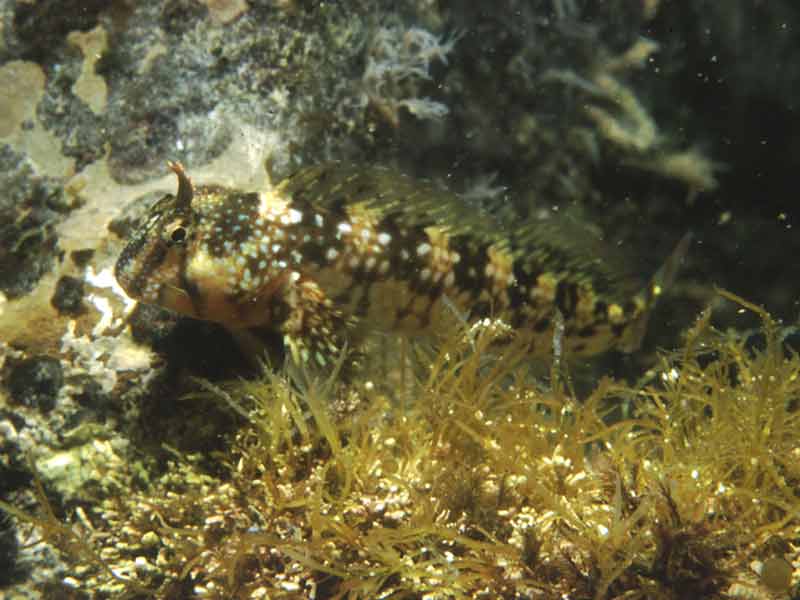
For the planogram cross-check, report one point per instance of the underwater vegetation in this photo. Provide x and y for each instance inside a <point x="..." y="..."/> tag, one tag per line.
<point x="473" y="479"/>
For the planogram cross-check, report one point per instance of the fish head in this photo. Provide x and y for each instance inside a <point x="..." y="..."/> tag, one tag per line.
<point x="151" y="266"/>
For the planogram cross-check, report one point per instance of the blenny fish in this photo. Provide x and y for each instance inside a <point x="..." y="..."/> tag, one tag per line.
<point x="337" y="249"/>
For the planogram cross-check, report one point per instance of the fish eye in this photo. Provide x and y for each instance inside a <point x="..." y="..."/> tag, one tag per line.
<point x="178" y="235"/>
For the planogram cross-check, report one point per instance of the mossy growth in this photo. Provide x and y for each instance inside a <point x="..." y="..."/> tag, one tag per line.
<point x="473" y="480"/>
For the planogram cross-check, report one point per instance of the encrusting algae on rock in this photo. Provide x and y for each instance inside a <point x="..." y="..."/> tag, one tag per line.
<point x="336" y="250"/>
<point x="484" y="487"/>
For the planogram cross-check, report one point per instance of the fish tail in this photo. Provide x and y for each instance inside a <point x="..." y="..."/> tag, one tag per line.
<point x="648" y="296"/>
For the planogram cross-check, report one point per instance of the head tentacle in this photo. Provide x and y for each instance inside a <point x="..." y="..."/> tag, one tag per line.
<point x="185" y="188"/>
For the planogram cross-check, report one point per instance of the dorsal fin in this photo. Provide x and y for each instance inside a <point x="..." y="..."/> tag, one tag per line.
<point x="568" y="246"/>
<point x="411" y="202"/>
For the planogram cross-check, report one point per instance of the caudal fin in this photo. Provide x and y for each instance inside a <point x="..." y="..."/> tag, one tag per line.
<point x="658" y="284"/>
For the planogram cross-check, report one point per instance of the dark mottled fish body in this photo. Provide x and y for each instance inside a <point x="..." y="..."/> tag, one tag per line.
<point x="336" y="249"/>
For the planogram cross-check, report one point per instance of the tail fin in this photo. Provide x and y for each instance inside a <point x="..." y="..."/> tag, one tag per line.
<point x="660" y="282"/>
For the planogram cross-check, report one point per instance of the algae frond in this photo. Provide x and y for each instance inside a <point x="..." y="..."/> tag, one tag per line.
<point x="476" y="481"/>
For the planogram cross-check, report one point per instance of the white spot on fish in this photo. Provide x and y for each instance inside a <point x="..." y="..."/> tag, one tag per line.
<point x="295" y="216"/>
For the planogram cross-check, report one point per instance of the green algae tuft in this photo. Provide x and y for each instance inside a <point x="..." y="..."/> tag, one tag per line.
<point x="463" y="476"/>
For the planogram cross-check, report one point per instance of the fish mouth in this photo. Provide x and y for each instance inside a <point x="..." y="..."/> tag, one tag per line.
<point x="138" y="265"/>
<point x="125" y="273"/>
